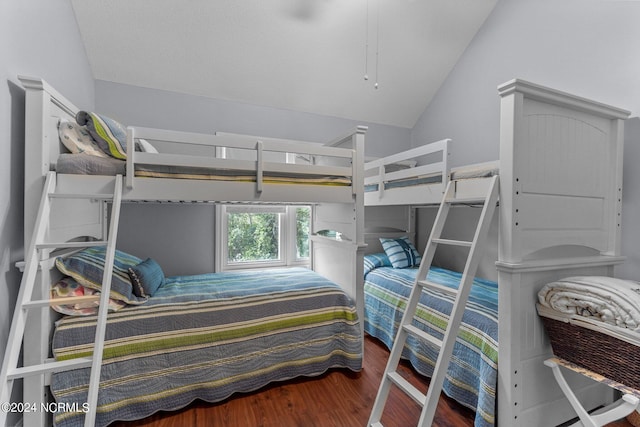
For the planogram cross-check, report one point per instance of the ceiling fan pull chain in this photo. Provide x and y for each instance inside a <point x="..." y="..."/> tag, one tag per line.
<point x="377" y="40"/>
<point x="366" y="44"/>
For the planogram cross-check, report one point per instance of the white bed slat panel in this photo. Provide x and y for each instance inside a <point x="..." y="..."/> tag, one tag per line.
<point x="280" y="145"/>
<point x="336" y="217"/>
<point x="418" y="195"/>
<point x="434" y="147"/>
<point x="244" y="165"/>
<point x="80" y="218"/>
<point x="564" y="144"/>
<point x="418" y="171"/>
<point x="399" y="217"/>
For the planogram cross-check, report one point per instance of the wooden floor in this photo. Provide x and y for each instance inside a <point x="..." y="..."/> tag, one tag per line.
<point x="335" y="399"/>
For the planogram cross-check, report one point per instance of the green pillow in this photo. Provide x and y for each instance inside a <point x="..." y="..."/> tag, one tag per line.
<point x="110" y="135"/>
<point x="87" y="267"/>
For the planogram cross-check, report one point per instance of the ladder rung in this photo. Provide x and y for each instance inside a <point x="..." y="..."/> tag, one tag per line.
<point x="65" y="365"/>
<point x="69" y="300"/>
<point x="467" y="200"/>
<point x="438" y="287"/>
<point x="423" y="335"/>
<point x="452" y="242"/>
<point x="90" y="196"/>
<point x="446" y="345"/>
<point x="62" y="245"/>
<point x="409" y="389"/>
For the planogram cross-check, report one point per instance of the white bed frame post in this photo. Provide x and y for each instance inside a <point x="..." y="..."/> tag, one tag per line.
<point x="361" y="246"/>
<point x="342" y="261"/>
<point x="560" y="205"/>
<point x="38" y="102"/>
<point x="42" y="148"/>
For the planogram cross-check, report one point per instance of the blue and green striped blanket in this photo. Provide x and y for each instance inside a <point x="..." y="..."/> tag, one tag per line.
<point x="207" y="337"/>
<point x="472" y="375"/>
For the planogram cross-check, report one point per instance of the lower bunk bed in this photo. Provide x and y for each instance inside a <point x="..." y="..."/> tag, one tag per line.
<point x="472" y="376"/>
<point x="195" y="337"/>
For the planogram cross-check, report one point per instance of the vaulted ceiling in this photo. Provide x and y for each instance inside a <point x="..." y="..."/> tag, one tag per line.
<point x="302" y="55"/>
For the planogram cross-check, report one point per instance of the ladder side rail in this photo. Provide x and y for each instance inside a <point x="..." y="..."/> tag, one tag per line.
<point x="410" y="309"/>
<point x="436" y="233"/>
<point x="457" y="311"/>
<point x="27" y="284"/>
<point x="96" y="366"/>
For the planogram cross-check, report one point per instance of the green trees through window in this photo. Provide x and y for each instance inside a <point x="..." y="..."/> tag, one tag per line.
<point x="253" y="237"/>
<point x="260" y="236"/>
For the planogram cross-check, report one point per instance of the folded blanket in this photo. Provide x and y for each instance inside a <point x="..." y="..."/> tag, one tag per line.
<point x="613" y="301"/>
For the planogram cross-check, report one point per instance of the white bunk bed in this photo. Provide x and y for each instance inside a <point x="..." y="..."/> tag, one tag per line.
<point x="338" y="208"/>
<point x="560" y="173"/>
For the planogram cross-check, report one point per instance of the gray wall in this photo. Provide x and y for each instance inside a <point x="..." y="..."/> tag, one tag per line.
<point x="181" y="238"/>
<point x="134" y="105"/>
<point x="585" y="47"/>
<point x="37" y="38"/>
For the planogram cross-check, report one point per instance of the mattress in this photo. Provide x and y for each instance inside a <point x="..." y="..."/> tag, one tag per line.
<point x="85" y="164"/>
<point x="472" y="375"/>
<point x="208" y="337"/>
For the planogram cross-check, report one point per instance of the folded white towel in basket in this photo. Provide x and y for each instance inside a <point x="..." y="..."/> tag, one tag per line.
<point x="610" y="300"/>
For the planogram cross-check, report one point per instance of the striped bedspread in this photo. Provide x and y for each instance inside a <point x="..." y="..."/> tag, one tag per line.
<point x="207" y="337"/>
<point x="472" y="376"/>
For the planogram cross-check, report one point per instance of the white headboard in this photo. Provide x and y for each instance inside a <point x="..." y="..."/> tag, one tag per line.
<point x="561" y="172"/>
<point x="44" y="108"/>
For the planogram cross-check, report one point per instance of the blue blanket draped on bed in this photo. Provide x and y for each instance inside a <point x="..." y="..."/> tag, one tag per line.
<point x="207" y="337"/>
<point x="472" y="375"/>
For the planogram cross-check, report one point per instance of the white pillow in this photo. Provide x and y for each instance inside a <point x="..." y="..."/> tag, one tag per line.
<point x="77" y="139"/>
<point x="146" y="147"/>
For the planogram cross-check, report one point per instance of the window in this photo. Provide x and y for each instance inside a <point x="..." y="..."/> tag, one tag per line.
<point x="262" y="236"/>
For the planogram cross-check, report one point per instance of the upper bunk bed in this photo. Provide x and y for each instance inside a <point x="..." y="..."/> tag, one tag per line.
<point x="419" y="176"/>
<point x="195" y="167"/>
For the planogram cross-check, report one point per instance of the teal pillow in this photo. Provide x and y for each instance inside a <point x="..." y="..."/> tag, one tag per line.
<point x="110" y="135"/>
<point x="373" y="261"/>
<point x="146" y="278"/>
<point x="87" y="267"/>
<point x="401" y="252"/>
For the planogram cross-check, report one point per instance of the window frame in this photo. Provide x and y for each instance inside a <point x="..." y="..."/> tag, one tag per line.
<point x="287" y="237"/>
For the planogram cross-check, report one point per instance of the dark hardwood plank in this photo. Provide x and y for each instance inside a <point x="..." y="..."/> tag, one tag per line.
<point x="336" y="399"/>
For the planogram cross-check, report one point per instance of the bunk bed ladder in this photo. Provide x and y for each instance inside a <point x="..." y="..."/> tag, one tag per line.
<point x="38" y="251"/>
<point x="429" y="402"/>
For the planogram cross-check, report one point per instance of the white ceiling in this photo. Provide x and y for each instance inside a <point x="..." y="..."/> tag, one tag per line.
<point x="302" y="55"/>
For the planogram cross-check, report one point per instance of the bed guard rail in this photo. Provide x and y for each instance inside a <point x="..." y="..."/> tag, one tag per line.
<point x="438" y="166"/>
<point x="341" y="161"/>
